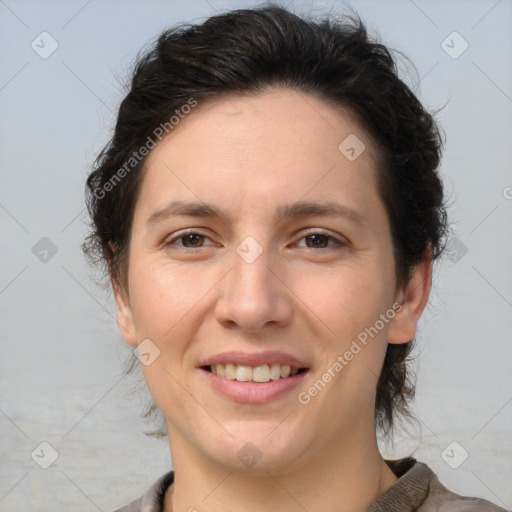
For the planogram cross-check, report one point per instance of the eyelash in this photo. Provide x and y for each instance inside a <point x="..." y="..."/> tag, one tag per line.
<point x="338" y="243"/>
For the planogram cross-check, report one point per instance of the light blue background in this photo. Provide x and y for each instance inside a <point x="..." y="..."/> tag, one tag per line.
<point x="61" y="357"/>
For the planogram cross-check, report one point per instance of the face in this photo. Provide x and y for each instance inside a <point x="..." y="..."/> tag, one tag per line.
<point x="260" y="249"/>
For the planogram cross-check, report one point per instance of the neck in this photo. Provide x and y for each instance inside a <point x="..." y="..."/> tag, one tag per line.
<point x="352" y="474"/>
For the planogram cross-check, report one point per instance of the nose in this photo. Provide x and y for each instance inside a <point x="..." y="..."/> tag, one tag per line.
<point x="254" y="295"/>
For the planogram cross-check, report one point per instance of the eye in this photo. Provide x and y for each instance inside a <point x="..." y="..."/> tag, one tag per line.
<point x="187" y="240"/>
<point x="319" y="239"/>
<point x="315" y="239"/>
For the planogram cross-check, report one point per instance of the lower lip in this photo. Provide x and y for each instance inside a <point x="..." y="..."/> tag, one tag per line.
<point x="253" y="392"/>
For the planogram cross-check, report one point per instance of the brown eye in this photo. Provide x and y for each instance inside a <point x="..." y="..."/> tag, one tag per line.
<point x="192" y="240"/>
<point x="319" y="240"/>
<point x="187" y="240"/>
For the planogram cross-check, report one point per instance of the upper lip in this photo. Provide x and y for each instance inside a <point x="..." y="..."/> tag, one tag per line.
<point x="254" y="359"/>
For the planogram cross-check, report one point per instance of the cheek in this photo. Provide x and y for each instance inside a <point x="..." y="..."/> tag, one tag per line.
<point x="343" y="300"/>
<point x="164" y="296"/>
<point x="347" y="298"/>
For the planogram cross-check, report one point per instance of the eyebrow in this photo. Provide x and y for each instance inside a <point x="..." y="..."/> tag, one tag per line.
<point x="293" y="210"/>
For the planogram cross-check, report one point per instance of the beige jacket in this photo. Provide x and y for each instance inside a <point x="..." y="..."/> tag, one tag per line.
<point x="417" y="489"/>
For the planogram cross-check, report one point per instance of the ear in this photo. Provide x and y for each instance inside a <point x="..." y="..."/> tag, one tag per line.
<point x="413" y="299"/>
<point x="124" y="314"/>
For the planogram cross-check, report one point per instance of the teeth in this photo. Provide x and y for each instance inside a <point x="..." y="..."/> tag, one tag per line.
<point x="229" y="370"/>
<point x="243" y="373"/>
<point x="262" y="373"/>
<point x="275" y="371"/>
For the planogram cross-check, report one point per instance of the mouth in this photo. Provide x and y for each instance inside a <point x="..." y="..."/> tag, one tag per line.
<point x="261" y="374"/>
<point x="249" y="378"/>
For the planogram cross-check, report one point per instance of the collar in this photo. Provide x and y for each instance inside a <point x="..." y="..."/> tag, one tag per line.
<point x="407" y="493"/>
<point x="410" y="490"/>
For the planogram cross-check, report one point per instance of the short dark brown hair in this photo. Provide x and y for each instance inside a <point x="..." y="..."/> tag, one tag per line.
<point x="247" y="50"/>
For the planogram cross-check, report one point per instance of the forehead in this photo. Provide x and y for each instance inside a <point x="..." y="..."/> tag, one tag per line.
<point x="279" y="145"/>
<point x="278" y="116"/>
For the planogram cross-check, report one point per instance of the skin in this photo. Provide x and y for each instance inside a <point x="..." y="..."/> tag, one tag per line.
<point x="249" y="155"/>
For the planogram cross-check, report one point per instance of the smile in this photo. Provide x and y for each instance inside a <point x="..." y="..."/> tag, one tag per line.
<point x="253" y="378"/>
<point x="261" y="373"/>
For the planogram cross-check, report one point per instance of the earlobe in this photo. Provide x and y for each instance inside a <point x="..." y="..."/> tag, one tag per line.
<point x="124" y="314"/>
<point x="125" y="321"/>
<point x="413" y="299"/>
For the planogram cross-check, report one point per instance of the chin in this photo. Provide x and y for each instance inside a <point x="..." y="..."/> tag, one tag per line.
<point x="257" y="448"/>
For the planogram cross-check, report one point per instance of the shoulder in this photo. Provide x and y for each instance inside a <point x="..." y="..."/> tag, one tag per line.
<point x="419" y="489"/>
<point x="441" y="499"/>
<point x="152" y="500"/>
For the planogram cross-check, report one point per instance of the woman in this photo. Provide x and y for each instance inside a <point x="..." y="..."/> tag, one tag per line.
<point x="269" y="210"/>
